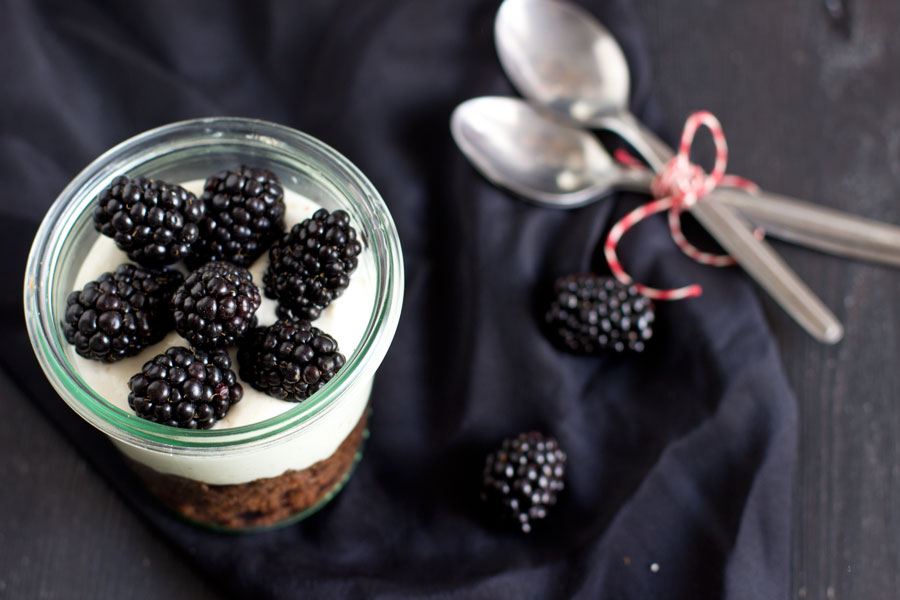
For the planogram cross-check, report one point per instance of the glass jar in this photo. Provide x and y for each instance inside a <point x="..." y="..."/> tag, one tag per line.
<point x="263" y="474"/>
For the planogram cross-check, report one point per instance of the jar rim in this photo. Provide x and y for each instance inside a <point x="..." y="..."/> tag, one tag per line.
<point x="43" y="328"/>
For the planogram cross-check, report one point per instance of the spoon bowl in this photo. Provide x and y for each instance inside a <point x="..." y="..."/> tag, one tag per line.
<point x="547" y="47"/>
<point x="560" y="56"/>
<point x="544" y="161"/>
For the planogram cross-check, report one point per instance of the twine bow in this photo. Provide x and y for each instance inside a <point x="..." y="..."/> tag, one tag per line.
<point x="679" y="186"/>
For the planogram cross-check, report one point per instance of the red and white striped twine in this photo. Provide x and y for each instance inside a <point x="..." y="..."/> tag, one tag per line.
<point x="676" y="188"/>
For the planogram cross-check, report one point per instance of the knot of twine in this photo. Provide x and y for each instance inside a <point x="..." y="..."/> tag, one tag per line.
<point x="679" y="185"/>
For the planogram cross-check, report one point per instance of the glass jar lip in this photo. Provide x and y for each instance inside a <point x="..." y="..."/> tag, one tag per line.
<point x="379" y="229"/>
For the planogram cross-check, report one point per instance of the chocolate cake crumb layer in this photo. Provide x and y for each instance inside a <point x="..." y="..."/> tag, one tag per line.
<point x="261" y="502"/>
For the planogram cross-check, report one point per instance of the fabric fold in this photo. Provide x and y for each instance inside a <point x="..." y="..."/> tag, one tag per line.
<point x="680" y="457"/>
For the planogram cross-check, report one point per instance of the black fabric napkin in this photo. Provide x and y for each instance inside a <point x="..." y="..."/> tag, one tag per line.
<point x="680" y="459"/>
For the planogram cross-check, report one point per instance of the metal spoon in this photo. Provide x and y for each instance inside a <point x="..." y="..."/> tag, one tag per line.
<point x="552" y="164"/>
<point x="544" y="161"/>
<point x="563" y="57"/>
<point x="559" y="55"/>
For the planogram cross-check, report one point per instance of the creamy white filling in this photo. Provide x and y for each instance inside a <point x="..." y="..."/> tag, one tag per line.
<point x="345" y="319"/>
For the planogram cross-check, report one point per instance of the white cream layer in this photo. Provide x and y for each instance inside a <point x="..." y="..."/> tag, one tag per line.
<point x="345" y="319"/>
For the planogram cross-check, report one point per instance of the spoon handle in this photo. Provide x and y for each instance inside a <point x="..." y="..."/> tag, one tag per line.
<point x="785" y="218"/>
<point x="759" y="260"/>
<point x="798" y="222"/>
<point x="735" y="235"/>
<point x="648" y="145"/>
<point x="816" y="226"/>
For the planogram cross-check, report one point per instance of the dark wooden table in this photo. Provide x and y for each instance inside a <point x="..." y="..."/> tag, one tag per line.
<point x="808" y="112"/>
<point x="814" y="114"/>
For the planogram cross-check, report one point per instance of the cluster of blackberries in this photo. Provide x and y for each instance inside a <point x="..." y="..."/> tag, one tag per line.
<point x="120" y="313"/>
<point x="239" y="216"/>
<point x="244" y="215"/>
<point x="123" y="312"/>
<point x="155" y="223"/>
<point x="290" y="360"/>
<point x="590" y="313"/>
<point x="311" y="265"/>
<point x="216" y="305"/>
<point x="240" y="213"/>
<point x="185" y="387"/>
<point x="522" y="478"/>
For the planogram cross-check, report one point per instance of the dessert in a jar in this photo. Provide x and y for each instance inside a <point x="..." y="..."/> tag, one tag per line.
<point x="215" y="296"/>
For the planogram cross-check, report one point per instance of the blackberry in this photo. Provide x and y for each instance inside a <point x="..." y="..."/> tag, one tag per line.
<point x="120" y="313"/>
<point x="590" y="313"/>
<point x="244" y="215"/>
<point x="216" y="305"/>
<point x="289" y="360"/>
<point x="311" y="264"/>
<point x="522" y="478"/>
<point x="185" y="388"/>
<point x="154" y="222"/>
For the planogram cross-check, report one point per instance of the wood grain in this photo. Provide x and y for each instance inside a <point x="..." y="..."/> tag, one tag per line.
<point x="63" y="531"/>
<point x="813" y="114"/>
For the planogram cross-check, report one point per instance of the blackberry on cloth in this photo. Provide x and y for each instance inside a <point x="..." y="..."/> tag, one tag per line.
<point x="154" y="222"/>
<point x="311" y="264"/>
<point x="185" y="388"/>
<point x="289" y="360"/>
<point x="121" y="312"/>
<point x="521" y="480"/>
<point x="244" y="215"/>
<point x="590" y="313"/>
<point x="216" y="305"/>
